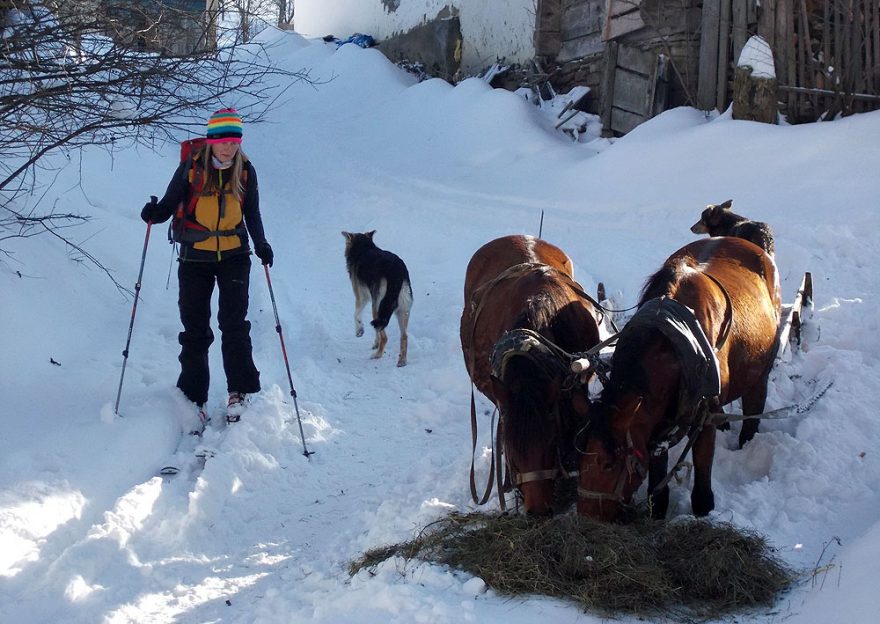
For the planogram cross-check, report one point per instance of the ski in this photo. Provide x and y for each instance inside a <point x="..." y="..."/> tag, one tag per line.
<point x="185" y="458"/>
<point x="195" y="449"/>
<point x="188" y="448"/>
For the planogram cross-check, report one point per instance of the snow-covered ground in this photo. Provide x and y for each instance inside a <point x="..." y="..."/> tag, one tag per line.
<point x="89" y="534"/>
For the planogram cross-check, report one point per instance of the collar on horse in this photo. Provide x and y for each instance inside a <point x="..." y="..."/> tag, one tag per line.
<point x="700" y="374"/>
<point x="523" y="342"/>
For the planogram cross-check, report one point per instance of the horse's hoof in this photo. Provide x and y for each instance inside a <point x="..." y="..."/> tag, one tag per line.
<point x="375" y="356"/>
<point x="359" y="332"/>
<point x="702" y="505"/>
<point x="401" y="363"/>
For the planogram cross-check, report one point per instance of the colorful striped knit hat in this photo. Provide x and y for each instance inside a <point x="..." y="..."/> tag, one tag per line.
<point x="225" y="126"/>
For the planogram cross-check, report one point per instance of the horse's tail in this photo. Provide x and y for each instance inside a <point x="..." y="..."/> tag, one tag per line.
<point x="391" y="299"/>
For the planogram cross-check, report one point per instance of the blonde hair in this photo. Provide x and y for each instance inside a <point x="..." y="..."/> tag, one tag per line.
<point x="212" y="177"/>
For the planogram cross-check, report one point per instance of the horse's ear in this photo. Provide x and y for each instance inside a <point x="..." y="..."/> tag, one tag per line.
<point x="347" y="235"/>
<point x="726" y="205"/>
<point x="370" y="234"/>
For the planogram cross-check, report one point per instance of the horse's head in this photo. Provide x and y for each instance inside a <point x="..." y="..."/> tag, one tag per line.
<point x="539" y="414"/>
<point x="614" y="459"/>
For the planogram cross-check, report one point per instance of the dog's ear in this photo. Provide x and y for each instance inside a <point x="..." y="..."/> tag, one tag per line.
<point x="370" y="234"/>
<point x="713" y="214"/>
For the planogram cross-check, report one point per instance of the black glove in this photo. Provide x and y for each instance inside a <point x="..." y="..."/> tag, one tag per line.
<point x="148" y="214"/>
<point x="264" y="253"/>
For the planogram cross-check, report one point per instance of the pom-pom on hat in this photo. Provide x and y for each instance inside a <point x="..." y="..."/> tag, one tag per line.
<point x="225" y="126"/>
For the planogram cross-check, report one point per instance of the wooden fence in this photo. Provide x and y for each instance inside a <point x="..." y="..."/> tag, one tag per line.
<point x="826" y="53"/>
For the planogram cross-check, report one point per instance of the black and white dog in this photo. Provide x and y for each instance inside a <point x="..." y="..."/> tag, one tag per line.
<point x="718" y="220"/>
<point x="381" y="277"/>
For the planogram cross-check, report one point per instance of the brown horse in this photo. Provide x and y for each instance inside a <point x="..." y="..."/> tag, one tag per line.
<point x="521" y="307"/>
<point x="704" y="335"/>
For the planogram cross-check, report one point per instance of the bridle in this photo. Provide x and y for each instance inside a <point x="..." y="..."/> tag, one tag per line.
<point x="634" y="462"/>
<point x="523" y="342"/>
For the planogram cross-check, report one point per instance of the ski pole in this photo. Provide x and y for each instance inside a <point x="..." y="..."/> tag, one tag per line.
<point x="137" y="292"/>
<point x="170" y="264"/>
<point x="306" y="451"/>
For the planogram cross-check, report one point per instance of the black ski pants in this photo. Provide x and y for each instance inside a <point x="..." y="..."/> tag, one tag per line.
<point x="196" y="285"/>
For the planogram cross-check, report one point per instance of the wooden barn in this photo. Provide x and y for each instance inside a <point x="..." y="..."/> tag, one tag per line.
<point x="640" y="57"/>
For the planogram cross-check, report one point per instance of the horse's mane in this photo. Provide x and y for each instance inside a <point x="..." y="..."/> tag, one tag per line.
<point x="554" y="313"/>
<point x="525" y="418"/>
<point x="628" y="376"/>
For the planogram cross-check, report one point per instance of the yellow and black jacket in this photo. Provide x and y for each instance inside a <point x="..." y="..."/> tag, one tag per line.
<point x="219" y="222"/>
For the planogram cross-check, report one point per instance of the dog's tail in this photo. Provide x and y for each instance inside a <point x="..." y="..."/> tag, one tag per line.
<point x="390" y="301"/>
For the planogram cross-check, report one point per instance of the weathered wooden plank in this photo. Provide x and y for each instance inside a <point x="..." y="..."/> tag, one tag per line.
<point x="636" y="60"/>
<point x="630" y="92"/>
<point x="857" y="44"/>
<point x="708" y="55"/>
<point x="827" y="31"/>
<point x="792" y="320"/>
<point x="548" y="27"/>
<point x="723" y="54"/>
<point x="864" y="97"/>
<point x="581" y="47"/>
<point x="751" y="10"/>
<point x="607" y="94"/>
<point x="581" y="19"/>
<point x="783" y="37"/>
<point x="740" y="28"/>
<point x="622" y="17"/>
<point x="623" y="121"/>
<point x="804" y="78"/>
<point x="791" y="57"/>
<point x="661" y="85"/>
<point x="876" y="35"/>
<point x="767" y="23"/>
<point x="868" y="42"/>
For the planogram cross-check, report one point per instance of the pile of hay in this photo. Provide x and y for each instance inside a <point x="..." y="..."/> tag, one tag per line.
<point x="692" y="569"/>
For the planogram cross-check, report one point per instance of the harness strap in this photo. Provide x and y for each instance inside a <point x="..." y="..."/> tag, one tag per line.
<point x="495" y="466"/>
<point x="728" y="316"/>
<point x="545" y="475"/>
<point x="478" y="500"/>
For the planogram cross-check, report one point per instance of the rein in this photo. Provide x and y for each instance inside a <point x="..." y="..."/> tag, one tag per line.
<point x="495" y="467"/>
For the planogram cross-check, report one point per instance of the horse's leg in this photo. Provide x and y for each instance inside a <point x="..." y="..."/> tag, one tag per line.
<point x="703" y="453"/>
<point x="658" y="502"/>
<point x="752" y="403"/>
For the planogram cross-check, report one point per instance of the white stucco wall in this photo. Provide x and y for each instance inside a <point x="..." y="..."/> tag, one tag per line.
<point x="491" y="29"/>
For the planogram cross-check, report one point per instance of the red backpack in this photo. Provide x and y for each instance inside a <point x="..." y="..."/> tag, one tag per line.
<point x="183" y="227"/>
